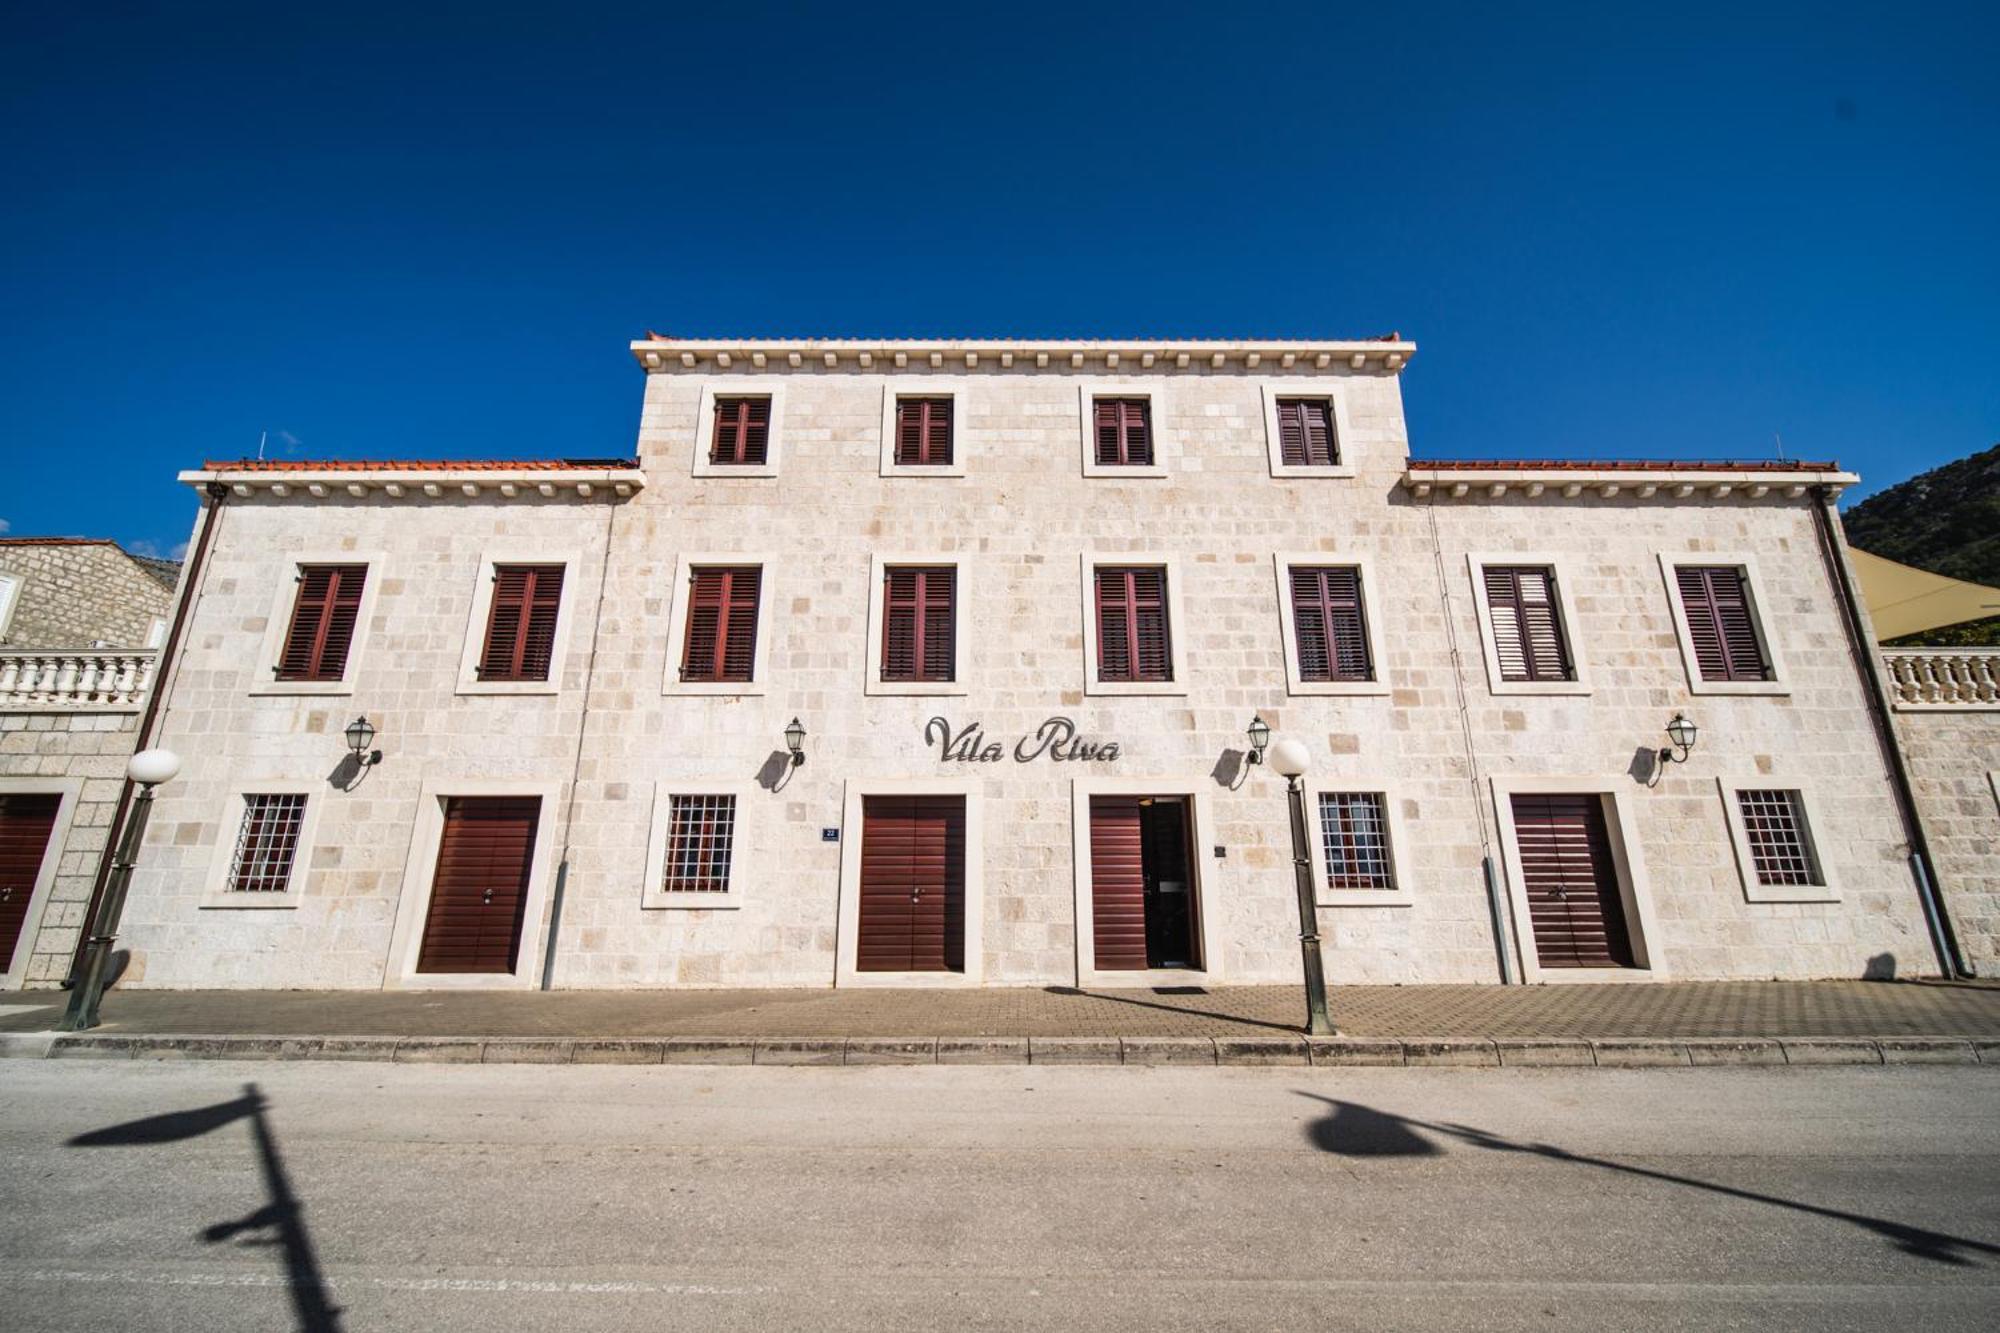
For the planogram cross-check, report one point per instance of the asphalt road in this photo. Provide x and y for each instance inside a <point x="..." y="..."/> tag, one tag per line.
<point x="218" y="1196"/>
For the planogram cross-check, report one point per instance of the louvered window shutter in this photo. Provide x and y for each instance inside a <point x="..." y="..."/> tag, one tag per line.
<point x="918" y="633"/>
<point x="323" y="621"/>
<point x="742" y="432"/>
<point x="521" y="626"/>
<point x="1329" y="625"/>
<point x="721" y="624"/>
<point x="1124" y="432"/>
<point x="1720" y="623"/>
<point x="1528" y="635"/>
<point x="1305" y="433"/>
<point x="1134" y="640"/>
<point x="923" y="432"/>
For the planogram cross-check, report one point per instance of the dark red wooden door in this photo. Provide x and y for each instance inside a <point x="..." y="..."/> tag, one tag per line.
<point x="26" y="821"/>
<point x="912" y="895"/>
<point x="1574" y="909"/>
<point x="479" y="894"/>
<point x="1117" y="884"/>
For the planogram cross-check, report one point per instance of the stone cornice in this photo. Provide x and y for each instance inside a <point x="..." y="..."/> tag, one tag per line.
<point x="396" y="481"/>
<point x="1118" y="356"/>
<point x="1611" y="480"/>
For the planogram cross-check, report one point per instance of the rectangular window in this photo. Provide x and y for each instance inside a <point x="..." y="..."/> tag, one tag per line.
<point x="521" y="625"/>
<point x="324" y="613"/>
<point x="1329" y="624"/>
<point x="1133" y="637"/>
<point x="267" y="843"/>
<point x="721" y="624"/>
<point x="1722" y="627"/>
<point x="923" y="432"/>
<point x="1354" y="837"/>
<point x="1124" y="429"/>
<point x="919" y="636"/>
<point x="701" y="836"/>
<point x="742" y="432"/>
<point x="1528" y="633"/>
<point x="1774" y="824"/>
<point x="1305" y="433"/>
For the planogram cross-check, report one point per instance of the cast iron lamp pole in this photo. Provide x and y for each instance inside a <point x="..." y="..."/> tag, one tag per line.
<point x="148" y="768"/>
<point x="1289" y="759"/>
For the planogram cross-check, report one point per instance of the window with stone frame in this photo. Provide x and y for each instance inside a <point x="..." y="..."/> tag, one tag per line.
<point x="1354" y="840"/>
<point x="267" y="842"/>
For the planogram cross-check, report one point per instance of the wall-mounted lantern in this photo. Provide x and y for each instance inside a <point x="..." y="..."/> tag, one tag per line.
<point x="1260" y="736"/>
<point x="360" y="735"/>
<point x="795" y="741"/>
<point x="1682" y="733"/>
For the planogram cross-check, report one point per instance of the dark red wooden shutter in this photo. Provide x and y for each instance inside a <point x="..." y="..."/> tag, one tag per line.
<point x="1305" y="433"/>
<point x="479" y="891"/>
<point x="1133" y="637"/>
<point x="1117" y="884"/>
<point x="521" y="626"/>
<point x="923" y="432"/>
<point x="1329" y="624"/>
<point x="911" y="901"/>
<point x="1124" y="432"/>
<point x="27" y="820"/>
<point x="1720" y="623"/>
<point x="721" y="639"/>
<point x="324" y="612"/>
<point x="742" y="435"/>
<point x="1575" y="912"/>
<point x="1528" y="635"/>
<point x="918" y="633"/>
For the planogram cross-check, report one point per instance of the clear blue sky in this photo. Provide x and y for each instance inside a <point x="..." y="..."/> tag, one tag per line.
<point x="430" y="230"/>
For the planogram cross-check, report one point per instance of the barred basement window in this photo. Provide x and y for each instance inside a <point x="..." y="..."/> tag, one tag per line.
<point x="1124" y="432"/>
<point x="923" y="432"/>
<point x="1721" y="624"/>
<point x="267" y="843"/>
<point x="1774" y="824"/>
<point x="323" y="617"/>
<point x="721" y="624"/>
<point x="700" y="837"/>
<point x="742" y="432"/>
<point x="1329" y="626"/>
<point x="1354" y="836"/>
<point x="1134" y="640"/>
<point x="1305" y="433"/>
<point x="1528" y="633"/>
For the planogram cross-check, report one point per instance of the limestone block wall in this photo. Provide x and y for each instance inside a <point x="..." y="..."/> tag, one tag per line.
<point x="83" y="756"/>
<point x="77" y="594"/>
<point x="1953" y="758"/>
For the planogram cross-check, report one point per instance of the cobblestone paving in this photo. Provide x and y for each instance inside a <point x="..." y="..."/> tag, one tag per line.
<point x="1684" y="1009"/>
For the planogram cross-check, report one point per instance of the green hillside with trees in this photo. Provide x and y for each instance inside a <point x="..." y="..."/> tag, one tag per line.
<point x="1947" y="521"/>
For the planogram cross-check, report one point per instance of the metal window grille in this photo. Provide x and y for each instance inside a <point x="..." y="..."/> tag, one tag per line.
<point x="267" y="843"/>
<point x="1774" y="822"/>
<point x="1354" y="834"/>
<point x="700" y="838"/>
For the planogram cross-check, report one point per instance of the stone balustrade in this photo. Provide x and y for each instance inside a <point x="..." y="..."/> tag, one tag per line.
<point x="1944" y="677"/>
<point x="81" y="680"/>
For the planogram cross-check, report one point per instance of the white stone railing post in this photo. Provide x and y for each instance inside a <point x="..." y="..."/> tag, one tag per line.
<point x="75" y="680"/>
<point x="1962" y="678"/>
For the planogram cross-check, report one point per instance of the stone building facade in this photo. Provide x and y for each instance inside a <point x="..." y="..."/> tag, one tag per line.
<point x="586" y="778"/>
<point x="80" y="623"/>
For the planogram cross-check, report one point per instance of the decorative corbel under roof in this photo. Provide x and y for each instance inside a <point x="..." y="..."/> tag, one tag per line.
<point x="482" y="478"/>
<point x="1609" y="479"/>
<point x="1120" y="355"/>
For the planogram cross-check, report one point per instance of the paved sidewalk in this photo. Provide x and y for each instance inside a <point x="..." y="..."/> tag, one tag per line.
<point x="1762" y="1010"/>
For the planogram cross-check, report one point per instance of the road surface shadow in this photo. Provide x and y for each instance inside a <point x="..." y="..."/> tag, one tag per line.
<point x="1350" y="1129"/>
<point x="279" y="1221"/>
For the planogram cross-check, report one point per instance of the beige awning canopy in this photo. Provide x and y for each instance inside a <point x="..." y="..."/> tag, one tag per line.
<point x="1902" y="600"/>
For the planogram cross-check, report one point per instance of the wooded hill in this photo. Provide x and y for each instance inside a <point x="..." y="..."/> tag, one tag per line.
<point x="1947" y="521"/>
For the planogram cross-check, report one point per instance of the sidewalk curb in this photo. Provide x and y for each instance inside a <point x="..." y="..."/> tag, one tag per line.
<point x="1180" y="1052"/>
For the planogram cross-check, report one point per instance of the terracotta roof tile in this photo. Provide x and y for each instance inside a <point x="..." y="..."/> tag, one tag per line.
<point x="417" y="464"/>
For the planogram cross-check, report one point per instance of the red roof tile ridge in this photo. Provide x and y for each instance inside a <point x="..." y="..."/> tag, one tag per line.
<point x="1619" y="465"/>
<point x="417" y="464"/>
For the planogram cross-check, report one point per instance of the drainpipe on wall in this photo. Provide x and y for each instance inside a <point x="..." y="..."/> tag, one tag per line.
<point x="1826" y="523"/>
<point x="162" y="669"/>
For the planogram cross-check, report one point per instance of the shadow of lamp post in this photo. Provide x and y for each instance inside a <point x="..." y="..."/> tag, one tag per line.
<point x="148" y="768"/>
<point x="1289" y="759"/>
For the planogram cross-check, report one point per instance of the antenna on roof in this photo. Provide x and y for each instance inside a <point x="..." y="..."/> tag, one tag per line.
<point x="1781" y="445"/>
<point x="260" y="444"/>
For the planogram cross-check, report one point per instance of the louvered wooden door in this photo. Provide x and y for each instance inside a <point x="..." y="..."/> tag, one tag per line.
<point x="1117" y="884"/>
<point x="912" y="892"/>
<point x="1574" y="909"/>
<point x="26" y="821"/>
<point x="479" y="894"/>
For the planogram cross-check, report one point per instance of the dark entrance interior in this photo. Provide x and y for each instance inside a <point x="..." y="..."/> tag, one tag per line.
<point x="1144" y="912"/>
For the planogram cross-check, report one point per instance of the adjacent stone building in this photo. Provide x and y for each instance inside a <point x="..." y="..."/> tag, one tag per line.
<point x="80" y="624"/>
<point x="948" y="663"/>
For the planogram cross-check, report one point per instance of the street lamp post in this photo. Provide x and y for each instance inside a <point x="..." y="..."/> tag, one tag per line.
<point x="1289" y="759"/>
<point x="148" y="768"/>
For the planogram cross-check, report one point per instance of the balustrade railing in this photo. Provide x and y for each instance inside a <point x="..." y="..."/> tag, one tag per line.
<point x="83" y="680"/>
<point x="1944" y="677"/>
